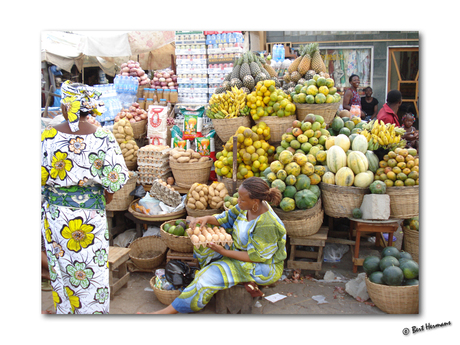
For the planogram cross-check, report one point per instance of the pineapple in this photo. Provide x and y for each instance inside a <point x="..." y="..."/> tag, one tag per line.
<point x="277" y="82"/>
<point x="236" y="68"/>
<point x="310" y="74"/>
<point x="246" y="90"/>
<point x="226" y="85"/>
<point x="219" y="90"/>
<point x="293" y="66"/>
<point x="245" y="70"/>
<point x="260" y="77"/>
<point x="317" y="63"/>
<point x="271" y="71"/>
<point x="253" y="66"/>
<point x="295" y="76"/>
<point x="248" y="82"/>
<point x="304" y="64"/>
<point x="236" y="82"/>
<point x="228" y="76"/>
<point x="287" y="77"/>
<point x="301" y="81"/>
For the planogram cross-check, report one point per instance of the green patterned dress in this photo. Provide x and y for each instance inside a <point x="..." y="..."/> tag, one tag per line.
<point x="264" y="238"/>
<point x="75" y="171"/>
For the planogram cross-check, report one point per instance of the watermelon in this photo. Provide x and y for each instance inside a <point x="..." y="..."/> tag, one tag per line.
<point x="315" y="189"/>
<point x="337" y="124"/>
<point x="303" y="182"/>
<point x="376" y="277"/>
<point x="345" y="131"/>
<point x="378" y="187"/>
<point x="388" y="261"/>
<point x="410" y="282"/>
<point x="405" y="255"/>
<point x="393" y="275"/>
<point x="371" y="264"/>
<point x="410" y="269"/>
<point x="357" y="213"/>
<point x="305" y="199"/>
<point x="390" y="250"/>
<point x="373" y="160"/>
<point x="289" y="192"/>
<point x="287" y="204"/>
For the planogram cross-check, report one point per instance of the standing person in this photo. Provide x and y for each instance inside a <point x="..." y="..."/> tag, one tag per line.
<point x="256" y="255"/>
<point x="351" y="96"/>
<point x="57" y="100"/>
<point x="369" y="104"/>
<point x="389" y="110"/>
<point x="81" y="167"/>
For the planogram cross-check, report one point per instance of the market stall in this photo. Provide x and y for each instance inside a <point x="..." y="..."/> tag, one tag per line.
<point x="193" y="132"/>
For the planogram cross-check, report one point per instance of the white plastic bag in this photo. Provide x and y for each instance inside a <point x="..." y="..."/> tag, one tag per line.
<point x="333" y="252"/>
<point x="152" y="204"/>
<point x="125" y="238"/>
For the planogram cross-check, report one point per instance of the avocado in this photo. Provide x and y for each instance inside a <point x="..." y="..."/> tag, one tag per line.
<point x="178" y="222"/>
<point x="179" y="231"/>
<point x="171" y="229"/>
<point x="166" y="227"/>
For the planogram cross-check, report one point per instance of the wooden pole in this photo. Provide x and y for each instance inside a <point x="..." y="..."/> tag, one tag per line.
<point x="234" y="164"/>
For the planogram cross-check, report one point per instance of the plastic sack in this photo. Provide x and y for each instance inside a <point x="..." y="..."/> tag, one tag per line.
<point x="333" y="252"/>
<point x="138" y="192"/>
<point x="152" y="231"/>
<point x="178" y="273"/>
<point x="151" y="204"/>
<point x="125" y="238"/>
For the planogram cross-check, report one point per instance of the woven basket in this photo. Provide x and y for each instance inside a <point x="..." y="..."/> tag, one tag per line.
<point x="158" y="218"/>
<point x="177" y="243"/>
<point x="326" y="110"/>
<point x="277" y="125"/>
<point x="201" y="213"/>
<point x="164" y="296"/>
<point x="404" y="202"/>
<point x="186" y="174"/>
<point x="394" y="299"/>
<point x="145" y="245"/>
<point x="225" y="128"/>
<point x="411" y="242"/>
<point x="121" y="198"/>
<point x="340" y="201"/>
<point x="131" y="165"/>
<point x="139" y="129"/>
<point x="228" y="182"/>
<point x="302" y="223"/>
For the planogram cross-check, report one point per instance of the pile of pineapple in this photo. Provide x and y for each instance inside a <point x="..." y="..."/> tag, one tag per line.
<point x="247" y="71"/>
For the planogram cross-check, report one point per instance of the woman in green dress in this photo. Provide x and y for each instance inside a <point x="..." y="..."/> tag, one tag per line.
<point x="256" y="255"/>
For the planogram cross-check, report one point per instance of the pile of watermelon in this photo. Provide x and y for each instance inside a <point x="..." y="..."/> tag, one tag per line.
<point x="394" y="267"/>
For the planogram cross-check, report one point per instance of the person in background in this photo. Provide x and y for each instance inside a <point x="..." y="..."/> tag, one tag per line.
<point x="351" y="95"/>
<point x="369" y="104"/>
<point x="389" y="110"/>
<point x="81" y="168"/>
<point x="411" y="135"/>
<point x="256" y="256"/>
<point x="57" y="100"/>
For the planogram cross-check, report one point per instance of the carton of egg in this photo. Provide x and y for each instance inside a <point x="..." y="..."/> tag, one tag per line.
<point x="215" y="234"/>
<point x="164" y="192"/>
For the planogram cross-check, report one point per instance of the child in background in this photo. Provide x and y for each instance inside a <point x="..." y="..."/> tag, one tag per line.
<point x="411" y="135"/>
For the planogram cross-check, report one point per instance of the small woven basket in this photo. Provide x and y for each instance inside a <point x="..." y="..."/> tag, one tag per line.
<point x="411" y="242"/>
<point x="225" y="128"/>
<point x="177" y="243"/>
<point x="326" y="110"/>
<point x="339" y="202"/>
<point x="131" y="165"/>
<point x="152" y="218"/>
<point x="144" y="246"/>
<point x="394" y="299"/>
<point x="302" y="223"/>
<point x="228" y="182"/>
<point x="121" y="198"/>
<point x="201" y="213"/>
<point x="164" y="296"/>
<point x="404" y="201"/>
<point x="277" y="125"/>
<point x="186" y="174"/>
<point x="139" y="129"/>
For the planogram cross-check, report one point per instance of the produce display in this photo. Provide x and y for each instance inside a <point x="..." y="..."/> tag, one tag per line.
<point x="179" y="228"/>
<point x="399" y="168"/>
<point x="133" y="114"/>
<point x="200" y="196"/>
<point x="153" y="163"/>
<point x="133" y="69"/>
<point x="317" y="90"/>
<point x="164" y="79"/>
<point x="123" y="133"/>
<point x="383" y="135"/>
<point x="231" y="200"/>
<point x="412" y="223"/>
<point x="229" y="104"/>
<point x="162" y="191"/>
<point x="181" y="155"/>
<point x="214" y="234"/>
<point x="394" y="267"/>
<point x="253" y="153"/>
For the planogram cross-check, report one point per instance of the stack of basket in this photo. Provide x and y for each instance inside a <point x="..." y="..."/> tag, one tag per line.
<point x="122" y="198"/>
<point x="277" y="125"/>
<point x="326" y="110"/>
<point x="153" y="163"/>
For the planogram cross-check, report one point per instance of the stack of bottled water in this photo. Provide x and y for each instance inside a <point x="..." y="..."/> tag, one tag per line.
<point x="126" y="89"/>
<point x="278" y="53"/>
<point x="112" y="104"/>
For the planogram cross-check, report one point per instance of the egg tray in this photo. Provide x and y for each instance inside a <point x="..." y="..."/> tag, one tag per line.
<point x="150" y="161"/>
<point x="143" y="152"/>
<point x="203" y="244"/>
<point x="146" y="170"/>
<point x="150" y="178"/>
<point x="168" y="196"/>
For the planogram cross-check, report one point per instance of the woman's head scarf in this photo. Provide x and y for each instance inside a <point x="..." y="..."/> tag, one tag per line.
<point x="80" y="97"/>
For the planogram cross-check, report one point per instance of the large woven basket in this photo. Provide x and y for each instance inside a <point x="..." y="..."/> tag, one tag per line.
<point x="404" y="201"/>
<point x="186" y="174"/>
<point x="201" y="213"/>
<point x="121" y="198"/>
<point x="131" y="165"/>
<point x="225" y="128"/>
<point x="177" y="243"/>
<point x="302" y="223"/>
<point x="339" y="202"/>
<point x="326" y="110"/>
<point x="139" y="129"/>
<point x="394" y="299"/>
<point x="147" y="252"/>
<point x="164" y="296"/>
<point x="277" y="125"/>
<point x="228" y="182"/>
<point x="152" y="218"/>
<point x="411" y="242"/>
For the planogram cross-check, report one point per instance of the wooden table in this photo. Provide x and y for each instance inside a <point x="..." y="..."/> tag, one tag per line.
<point x="317" y="240"/>
<point x="375" y="226"/>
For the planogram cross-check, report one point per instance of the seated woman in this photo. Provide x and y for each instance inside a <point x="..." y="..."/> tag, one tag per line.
<point x="257" y="253"/>
<point x="411" y="135"/>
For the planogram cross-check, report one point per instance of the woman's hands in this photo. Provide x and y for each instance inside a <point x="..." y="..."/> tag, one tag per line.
<point x="216" y="247"/>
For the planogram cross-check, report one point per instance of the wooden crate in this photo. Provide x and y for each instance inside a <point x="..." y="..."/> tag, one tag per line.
<point x="184" y="257"/>
<point x="118" y="273"/>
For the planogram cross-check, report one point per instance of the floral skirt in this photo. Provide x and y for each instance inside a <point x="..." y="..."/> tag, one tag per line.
<point x="77" y="248"/>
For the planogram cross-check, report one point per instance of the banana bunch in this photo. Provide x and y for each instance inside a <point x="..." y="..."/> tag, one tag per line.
<point x="379" y="134"/>
<point x="228" y="104"/>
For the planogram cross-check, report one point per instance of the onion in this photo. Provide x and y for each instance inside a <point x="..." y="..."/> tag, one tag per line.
<point x="143" y="82"/>
<point x="129" y="116"/>
<point x="161" y="79"/>
<point x="132" y="120"/>
<point x="125" y="74"/>
<point x="131" y="108"/>
<point x="171" y="84"/>
<point x="139" y="111"/>
<point x="166" y="75"/>
<point x="168" y="80"/>
<point x="117" y="118"/>
<point x="135" y="105"/>
<point x="164" y="84"/>
<point x="143" y="116"/>
<point x="155" y="79"/>
<point x="140" y="72"/>
<point x="174" y="78"/>
<point x="137" y="118"/>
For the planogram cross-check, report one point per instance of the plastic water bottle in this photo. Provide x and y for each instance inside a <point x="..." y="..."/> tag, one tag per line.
<point x="282" y="52"/>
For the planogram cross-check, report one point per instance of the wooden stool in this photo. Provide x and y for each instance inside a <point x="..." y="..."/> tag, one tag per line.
<point x="185" y="257"/>
<point x="377" y="226"/>
<point x="118" y="258"/>
<point x="235" y="300"/>
<point x="317" y="240"/>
